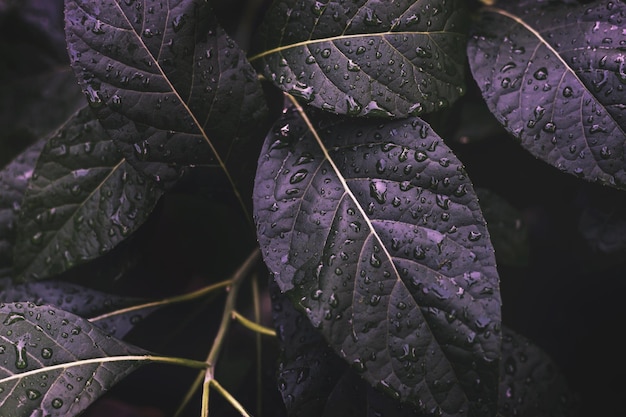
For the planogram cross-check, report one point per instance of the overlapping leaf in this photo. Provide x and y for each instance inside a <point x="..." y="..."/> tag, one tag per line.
<point x="167" y="83"/>
<point x="554" y="76"/>
<point x="56" y="364"/>
<point x="83" y="200"/>
<point x="367" y="58"/>
<point x="315" y="382"/>
<point x="107" y="311"/>
<point x="377" y="235"/>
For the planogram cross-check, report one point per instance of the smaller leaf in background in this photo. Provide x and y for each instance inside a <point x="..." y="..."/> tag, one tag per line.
<point x="315" y="382"/>
<point x="530" y="382"/>
<point x="603" y="219"/>
<point x="368" y="58"/>
<point x="57" y="364"/>
<point x="553" y="74"/>
<point x="83" y="200"/>
<point x="507" y="229"/>
<point x="13" y="183"/>
<point x="107" y="311"/>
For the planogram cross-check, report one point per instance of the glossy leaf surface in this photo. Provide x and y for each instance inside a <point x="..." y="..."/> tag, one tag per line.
<point x="104" y="310"/>
<point x="554" y="76"/>
<point x="167" y="83"/>
<point x="367" y="58"/>
<point x="84" y="198"/>
<point x="377" y="235"/>
<point x="54" y="363"/>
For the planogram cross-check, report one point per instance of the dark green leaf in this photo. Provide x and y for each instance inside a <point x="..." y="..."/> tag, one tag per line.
<point x="103" y="310"/>
<point x="377" y="235"/>
<point x="530" y="383"/>
<point x="554" y="76"/>
<point x="170" y="87"/>
<point x="56" y="364"/>
<point x="507" y="229"/>
<point x="13" y="183"/>
<point x="366" y="58"/>
<point x="84" y="198"/>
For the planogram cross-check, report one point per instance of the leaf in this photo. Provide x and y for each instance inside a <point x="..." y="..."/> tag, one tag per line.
<point x="531" y="384"/>
<point x="507" y="229"/>
<point x="315" y="382"/>
<point x="366" y="58"/>
<point x="554" y="75"/>
<point x="84" y="199"/>
<point x="13" y="183"/>
<point x="170" y="87"/>
<point x="98" y="307"/>
<point x="56" y="364"/>
<point x="377" y="235"/>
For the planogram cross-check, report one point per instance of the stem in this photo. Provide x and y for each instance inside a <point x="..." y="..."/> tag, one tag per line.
<point x="256" y="301"/>
<point x="235" y="282"/>
<point x="229" y="398"/>
<point x="166" y="301"/>
<point x="255" y="327"/>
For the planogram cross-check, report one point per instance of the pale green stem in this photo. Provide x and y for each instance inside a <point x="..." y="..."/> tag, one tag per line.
<point x="229" y="306"/>
<point x="255" y="327"/>
<point x="256" y="301"/>
<point x="166" y="301"/>
<point x="228" y="398"/>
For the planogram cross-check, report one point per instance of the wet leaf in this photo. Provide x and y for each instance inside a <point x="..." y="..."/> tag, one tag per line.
<point x="366" y="58"/>
<point x="554" y="76"/>
<point x="84" y="198"/>
<point x="313" y="380"/>
<point x="377" y="235"/>
<point x="167" y="83"/>
<point x="531" y="384"/>
<point x="56" y="364"/>
<point x="13" y="183"/>
<point x="107" y="311"/>
<point x="507" y="228"/>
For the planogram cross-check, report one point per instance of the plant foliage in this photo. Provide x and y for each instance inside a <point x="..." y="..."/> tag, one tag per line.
<point x="310" y="208"/>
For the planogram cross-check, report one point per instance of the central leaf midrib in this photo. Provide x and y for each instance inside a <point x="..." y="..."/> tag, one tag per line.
<point x="339" y="37"/>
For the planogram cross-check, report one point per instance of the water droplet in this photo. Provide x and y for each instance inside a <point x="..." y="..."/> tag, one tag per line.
<point x="302" y="91"/>
<point x="507" y="67"/>
<point x="567" y="92"/>
<point x="541" y="74"/>
<point x="549" y="127"/>
<point x="13" y="318"/>
<point x="178" y="22"/>
<point x="46" y="353"/>
<point x="116" y="102"/>
<point x="33" y="394"/>
<point x="389" y="390"/>
<point x="353" y="66"/>
<point x="605" y="152"/>
<point x="93" y="97"/>
<point x="97" y="28"/>
<point x="298" y="176"/>
<point x="473" y="236"/>
<point x="378" y="190"/>
<point x="326" y="53"/>
<point x="37" y="238"/>
<point x="374" y="300"/>
<point x="57" y="403"/>
<point x="381" y="165"/>
<point x="353" y="106"/>
<point x="375" y="261"/>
